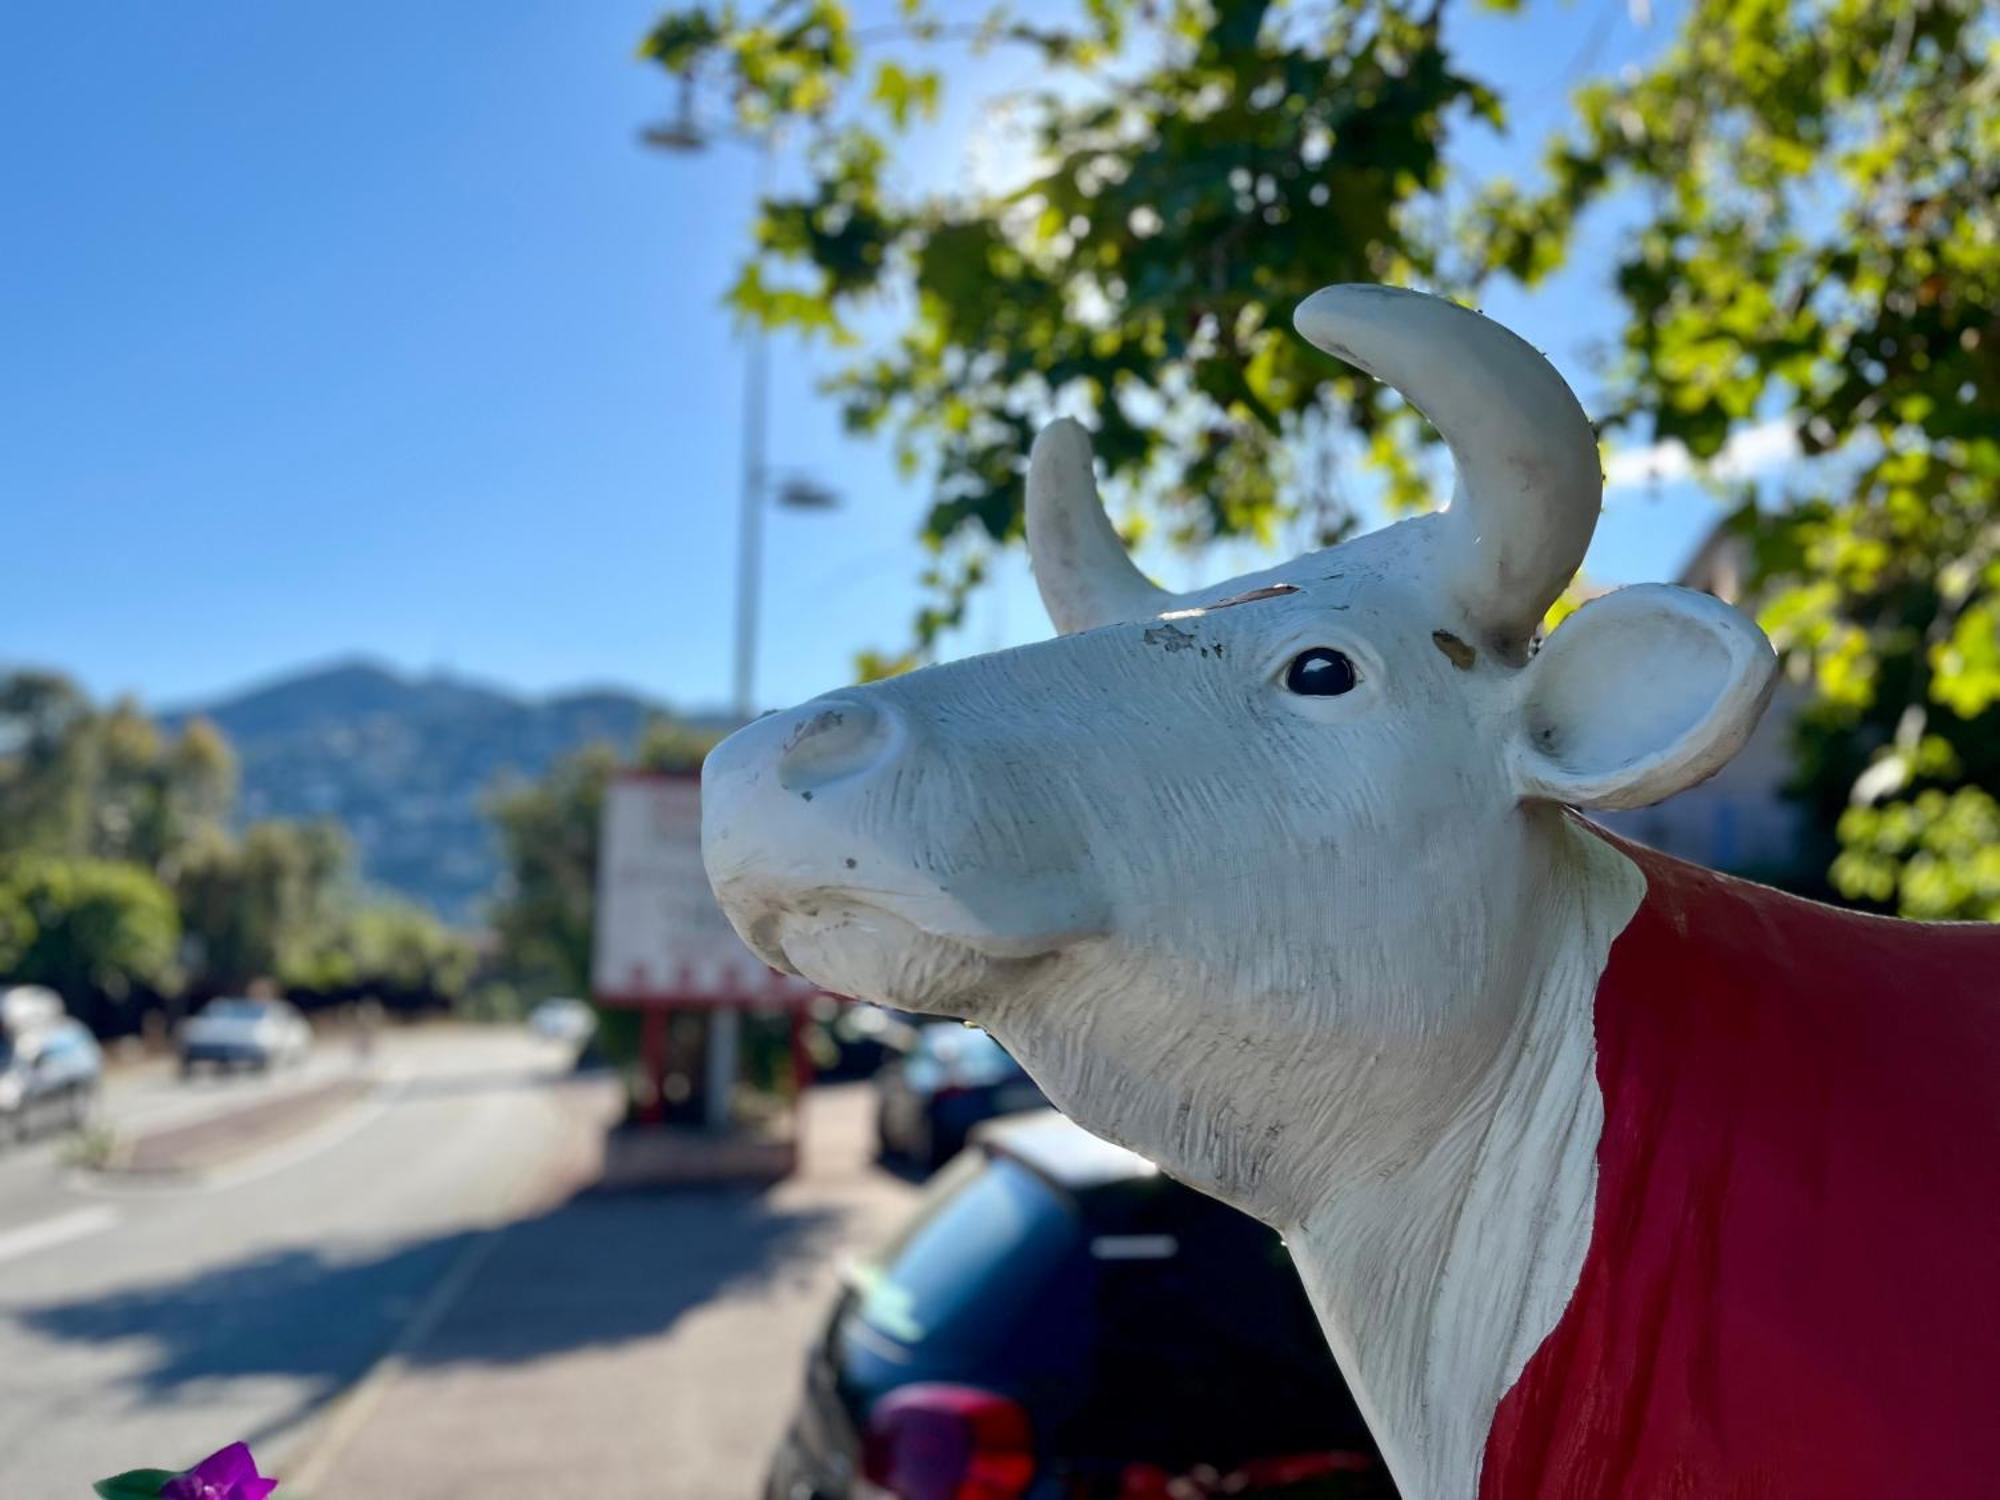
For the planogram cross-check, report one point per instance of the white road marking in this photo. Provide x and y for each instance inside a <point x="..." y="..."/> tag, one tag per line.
<point x="350" y="1413"/>
<point x="365" y="1395"/>
<point x="45" y="1234"/>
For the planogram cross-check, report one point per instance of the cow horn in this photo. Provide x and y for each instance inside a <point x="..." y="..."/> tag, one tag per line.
<point x="1528" y="476"/>
<point x="1081" y="566"/>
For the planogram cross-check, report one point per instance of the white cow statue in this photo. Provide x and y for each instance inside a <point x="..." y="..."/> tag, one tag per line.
<point x="1608" y="1177"/>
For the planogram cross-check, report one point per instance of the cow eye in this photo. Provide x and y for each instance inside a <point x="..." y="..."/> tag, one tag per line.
<point x="1319" y="673"/>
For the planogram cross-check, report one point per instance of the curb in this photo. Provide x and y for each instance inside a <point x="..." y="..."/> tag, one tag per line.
<point x="179" y="1152"/>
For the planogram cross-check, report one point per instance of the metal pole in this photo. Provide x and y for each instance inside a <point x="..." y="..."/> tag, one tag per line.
<point x="750" y="512"/>
<point x="724" y="1024"/>
<point x="750" y="525"/>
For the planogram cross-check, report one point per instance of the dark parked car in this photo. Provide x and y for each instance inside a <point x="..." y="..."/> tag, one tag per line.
<point x="1062" y="1322"/>
<point x="49" y="1076"/>
<point x="951" y="1078"/>
<point x="849" y="1039"/>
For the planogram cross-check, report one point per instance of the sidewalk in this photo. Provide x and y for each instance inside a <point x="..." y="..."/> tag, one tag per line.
<point x="619" y="1346"/>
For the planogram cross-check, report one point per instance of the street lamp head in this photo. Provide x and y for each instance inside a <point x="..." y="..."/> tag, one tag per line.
<point x="674" y="135"/>
<point x="799" y="493"/>
<point x="680" y="133"/>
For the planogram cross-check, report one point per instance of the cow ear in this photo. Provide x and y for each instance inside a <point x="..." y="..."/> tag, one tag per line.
<point x="1638" y="694"/>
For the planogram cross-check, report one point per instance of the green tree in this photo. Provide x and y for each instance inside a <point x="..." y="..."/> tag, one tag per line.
<point x="390" y="949"/>
<point x="197" y="791"/>
<point x="1201" y="166"/>
<point x="1819" y="246"/>
<point x="76" y="780"/>
<point x="47" y="764"/>
<point x="126" y="815"/>
<point x="153" y="797"/>
<point x="548" y="836"/>
<point x="90" y="926"/>
<point x="17" y="928"/>
<point x="101" y="815"/>
<point x="1814" y="184"/>
<point x="261" y="907"/>
<point x="548" y="840"/>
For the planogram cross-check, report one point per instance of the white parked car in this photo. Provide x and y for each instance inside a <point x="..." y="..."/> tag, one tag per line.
<point x="238" y="1031"/>
<point x="562" y="1020"/>
<point x="50" y="1069"/>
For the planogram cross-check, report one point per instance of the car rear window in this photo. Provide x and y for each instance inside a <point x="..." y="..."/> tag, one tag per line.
<point x="986" y="1241"/>
<point x="1201" y="1308"/>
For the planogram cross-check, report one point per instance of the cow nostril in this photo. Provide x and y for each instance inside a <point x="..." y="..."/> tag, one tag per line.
<point x="832" y="741"/>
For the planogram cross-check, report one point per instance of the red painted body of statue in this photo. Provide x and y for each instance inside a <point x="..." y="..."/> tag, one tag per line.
<point x="1793" y="1284"/>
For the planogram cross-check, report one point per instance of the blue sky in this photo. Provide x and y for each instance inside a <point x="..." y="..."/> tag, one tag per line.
<point x="375" y="331"/>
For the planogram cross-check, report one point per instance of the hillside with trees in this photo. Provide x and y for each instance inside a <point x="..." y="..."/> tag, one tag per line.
<point x="126" y="886"/>
<point x="403" y="764"/>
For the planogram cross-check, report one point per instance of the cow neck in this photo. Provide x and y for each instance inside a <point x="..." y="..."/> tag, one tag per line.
<point x="1436" y="1282"/>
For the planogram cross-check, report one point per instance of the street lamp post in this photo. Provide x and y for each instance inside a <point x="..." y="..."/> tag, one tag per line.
<point x="725" y="1026"/>
<point x="750" y="524"/>
<point x="683" y="134"/>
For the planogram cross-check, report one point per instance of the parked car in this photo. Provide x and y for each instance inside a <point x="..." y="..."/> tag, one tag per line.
<point x="238" y="1031"/>
<point x="950" y="1078"/>
<point x="26" y="1007"/>
<point x="559" y="1019"/>
<point x="49" y="1077"/>
<point x="853" y="1039"/>
<point x="1061" y="1322"/>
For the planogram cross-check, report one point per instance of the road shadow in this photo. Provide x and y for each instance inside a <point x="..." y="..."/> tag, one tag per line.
<point x="597" y="1269"/>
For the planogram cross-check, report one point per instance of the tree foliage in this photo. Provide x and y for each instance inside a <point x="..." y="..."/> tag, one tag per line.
<point x="1196" y="170"/>
<point x="549" y="838"/>
<point x="88" y="925"/>
<point x="391" y="950"/>
<point x="121" y="881"/>
<point x="45" y="764"/>
<point x="262" y="906"/>
<point x="1820" y="246"/>
<point x="1811" y="187"/>
<point x="104" y="783"/>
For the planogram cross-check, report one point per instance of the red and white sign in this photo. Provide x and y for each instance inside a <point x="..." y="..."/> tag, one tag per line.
<point x="660" y="938"/>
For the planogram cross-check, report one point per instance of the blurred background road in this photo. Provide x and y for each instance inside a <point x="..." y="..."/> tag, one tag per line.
<point x="138" y="1316"/>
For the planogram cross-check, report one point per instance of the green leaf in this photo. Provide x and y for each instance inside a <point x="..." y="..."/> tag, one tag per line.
<point x="134" y="1484"/>
<point x="904" y="94"/>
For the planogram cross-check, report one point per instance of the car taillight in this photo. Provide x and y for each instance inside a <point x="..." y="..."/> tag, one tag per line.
<point x="948" y="1442"/>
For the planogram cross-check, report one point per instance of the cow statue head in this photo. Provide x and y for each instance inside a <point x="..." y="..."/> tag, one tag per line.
<point x="1257" y="879"/>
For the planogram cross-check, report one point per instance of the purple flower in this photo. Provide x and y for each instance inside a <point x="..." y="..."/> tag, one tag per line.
<point x="228" y="1475"/>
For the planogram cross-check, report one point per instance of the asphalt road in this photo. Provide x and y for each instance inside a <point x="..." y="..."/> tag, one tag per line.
<point x="619" y="1346"/>
<point x="145" y="1325"/>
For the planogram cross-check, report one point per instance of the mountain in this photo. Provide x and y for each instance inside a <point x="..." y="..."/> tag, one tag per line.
<point x="404" y="763"/>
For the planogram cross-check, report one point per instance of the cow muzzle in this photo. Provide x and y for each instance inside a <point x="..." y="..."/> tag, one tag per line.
<point x="842" y="846"/>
